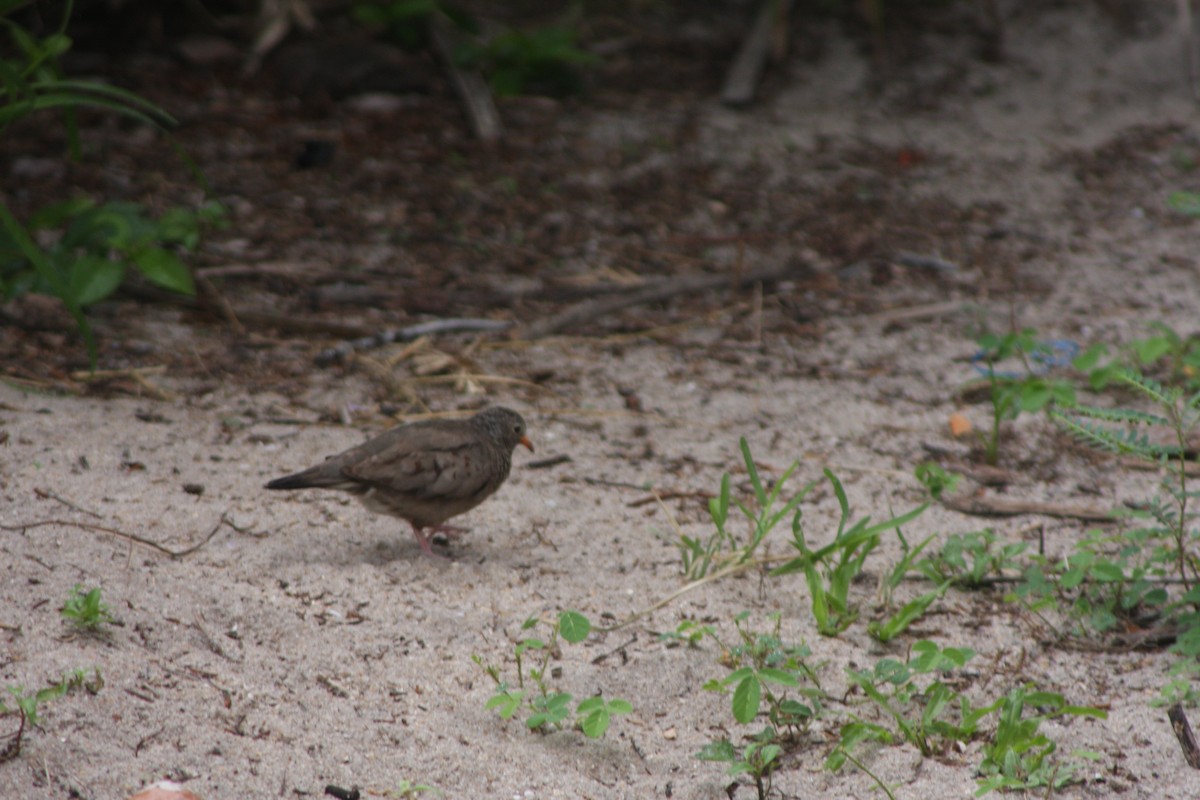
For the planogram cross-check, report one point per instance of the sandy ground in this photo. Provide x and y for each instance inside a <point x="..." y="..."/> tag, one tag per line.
<point x="307" y="642"/>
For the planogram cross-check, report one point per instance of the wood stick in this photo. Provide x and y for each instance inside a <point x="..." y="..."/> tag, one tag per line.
<point x="741" y="82"/>
<point x="588" y="310"/>
<point x="471" y="87"/>
<point x="1183" y="732"/>
<point x="129" y="537"/>
<point x="983" y="506"/>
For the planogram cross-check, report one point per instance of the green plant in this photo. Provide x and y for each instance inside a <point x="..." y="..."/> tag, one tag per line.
<point x="722" y="548"/>
<point x="1018" y="756"/>
<point x="407" y="789"/>
<point x="31" y="80"/>
<point x="757" y="759"/>
<point x="921" y="714"/>
<point x="829" y="570"/>
<point x="1012" y="393"/>
<point x="1165" y="353"/>
<point x="549" y="708"/>
<point x="761" y="661"/>
<point x="543" y="61"/>
<point x="687" y="632"/>
<point x="936" y="480"/>
<point x="1168" y="544"/>
<point x="763" y="670"/>
<point x="969" y="559"/>
<point x="1182" y="687"/>
<point x="1111" y="586"/>
<point x="910" y="612"/>
<point x="26" y="705"/>
<point x="85" y="610"/>
<point x="1119" y="430"/>
<point x="96" y="245"/>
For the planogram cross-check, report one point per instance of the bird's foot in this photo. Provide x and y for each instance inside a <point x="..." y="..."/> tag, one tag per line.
<point x="425" y="537"/>
<point x="449" y="531"/>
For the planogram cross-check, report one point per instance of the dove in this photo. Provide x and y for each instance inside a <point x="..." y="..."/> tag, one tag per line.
<point x="424" y="472"/>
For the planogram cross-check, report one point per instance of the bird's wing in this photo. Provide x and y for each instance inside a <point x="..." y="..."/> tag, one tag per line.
<point x="428" y="464"/>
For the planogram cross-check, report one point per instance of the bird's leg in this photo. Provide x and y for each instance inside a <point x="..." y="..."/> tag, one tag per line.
<point x="423" y="540"/>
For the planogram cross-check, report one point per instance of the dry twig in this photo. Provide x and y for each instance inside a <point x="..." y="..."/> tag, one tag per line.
<point x="129" y="537"/>
<point x="983" y="506"/>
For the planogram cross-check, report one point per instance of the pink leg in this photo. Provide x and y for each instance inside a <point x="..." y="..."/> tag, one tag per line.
<point x="423" y="540"/>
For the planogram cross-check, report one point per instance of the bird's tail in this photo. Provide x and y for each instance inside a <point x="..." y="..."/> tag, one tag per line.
<point x="318" y="477"/>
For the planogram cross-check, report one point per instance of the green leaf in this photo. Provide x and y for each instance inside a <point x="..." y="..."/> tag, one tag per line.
<point x="820" y="600"/>
<point x="506" y="703"/>
<point x="550" y="711"/>
<point x="840" y="493"/>
<point x="1033" y="395"/>
<point x="910" y="613"/>
<point x="554" y="702"/>
<point x="718" y="507"/>
<point x="573" y="626"/>
<point x="165" y="269"/>
<point x="92" y="278"/>
<point x="589" y="705"/>
<point x="717" y="751"/>
<point x="737" y="676"/>
<point x="529" y="644"/>
<point x="930" y="659"/>
<point x="778" y="676"/>
<point x="1150" y="350"/>
<point x="746" y="698"/>
<point x="57" y="215"/>
<point x="619" y="706"/>
<point x="1084" y="711"/>
<point x="47" y="272"/>
<point x="596" y="723"/>
<point x="752" y="470"/>
<point x="1090" y="358"/>
<point x="1107" y="571"/>
<point x="767" y="754"/>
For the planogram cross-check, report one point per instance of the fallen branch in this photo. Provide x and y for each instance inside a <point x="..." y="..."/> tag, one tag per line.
<point x="129" y="537"/>
<point x="673" y="495"/>
<point x="12" y="748"/>
<point x="46" y="494"/>
<point x="546" y="463"/>
<point x="767" y="37"/>
<point x="472" y="89"/>
<point x="666" y="289"/>
<point x="1183" y="732"/>
<point x="983" y="506"/>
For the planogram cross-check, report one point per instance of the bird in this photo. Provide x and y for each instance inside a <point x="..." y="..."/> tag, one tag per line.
<point x="424" y="472"/>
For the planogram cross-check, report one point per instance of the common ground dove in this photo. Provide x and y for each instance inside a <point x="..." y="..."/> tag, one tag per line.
<point x="424" y="472"/>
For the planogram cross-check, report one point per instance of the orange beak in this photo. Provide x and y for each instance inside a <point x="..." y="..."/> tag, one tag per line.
<point x="525" y="441"/>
